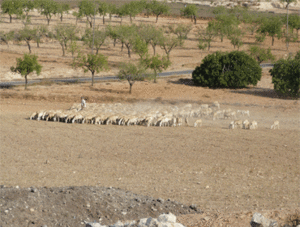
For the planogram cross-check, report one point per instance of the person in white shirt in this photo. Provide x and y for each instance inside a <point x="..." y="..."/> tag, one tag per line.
<point x="83" y="103"/>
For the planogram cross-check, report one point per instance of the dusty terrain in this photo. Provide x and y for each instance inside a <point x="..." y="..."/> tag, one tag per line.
<point x="227" y="174"/>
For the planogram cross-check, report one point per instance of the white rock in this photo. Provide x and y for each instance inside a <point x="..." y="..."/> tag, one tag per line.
<point x="118" y="224"/>
<point x="142" y="222"/>
<point x="94" y="225"/>
<point x="259" y="219"/>
<point x="167" y="218"/>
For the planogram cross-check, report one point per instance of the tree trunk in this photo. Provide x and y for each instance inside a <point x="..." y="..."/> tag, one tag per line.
<point x="103" y="19"/>
<point x="195" y="18"/>
<point x="272" y="40"/>
<point x="122" y="46"/>
<point x="155" y="75"/>
<point x="29" y="47"/>
<point x="287" y="27"/>
<point x="10" y="18"/>
<point x="97" y="49"/>
<point x="63" y="49"/>
<point x="153" y="49"/>
<point x="93" y="72"/>
<point x="208" y="46"/>
<point x="156" y="18"/>
<point x="128" y="50"/>
<point x="115" y="40"/>
<point x="25" y="82"/>
<point x="48" y="19"/>
<point x="61" y="17"/>
<point x="38" y="44"/>
<point x="130" y="87"/>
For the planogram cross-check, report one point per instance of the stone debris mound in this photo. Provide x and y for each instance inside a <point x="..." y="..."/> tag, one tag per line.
<point x="164" y="220"/>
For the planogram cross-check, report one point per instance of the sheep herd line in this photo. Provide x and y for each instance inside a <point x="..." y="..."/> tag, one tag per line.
<point x="147" y="115"/>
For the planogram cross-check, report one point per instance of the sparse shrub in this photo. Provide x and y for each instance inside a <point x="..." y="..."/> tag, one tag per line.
<point x="286" y="76"/>
<point x="227" y="70"/>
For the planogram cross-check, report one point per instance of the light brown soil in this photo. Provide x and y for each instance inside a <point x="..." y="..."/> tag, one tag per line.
<point x="229" y="174"/>
<point x="217" y="169"/>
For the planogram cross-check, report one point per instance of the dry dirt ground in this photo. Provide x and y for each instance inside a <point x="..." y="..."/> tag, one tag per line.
<point x="227" y="174"/>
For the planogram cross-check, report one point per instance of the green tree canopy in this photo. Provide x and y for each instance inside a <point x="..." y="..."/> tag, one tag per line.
<point x="47" y="8"/>
<point x="26" y="66"/>
<point x="159" y="8"/>
<point x="27" y="34"/>
<point x="64" y="33"/>
<point x="88" y="9"/>
<point x="157" y="63"/>
<point x="99" y="38"/>
<point x="132" y="73"/>
<point x="190" y="11"/>
<point x="150" y="34"/>
<point x="91" y="62"/>
<point x="62" y="8"/>
<point x="12" y="7"/>
<point x="271" y="27"/>
<point x="6" y="36"/>
<point x="261" y="54"/>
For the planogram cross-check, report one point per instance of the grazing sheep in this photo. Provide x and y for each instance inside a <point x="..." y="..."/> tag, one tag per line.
<point x="216" y="104"/>
<point x="275" y="125"/>
<point x="204" y="106"/>
<point x="40" y="114"/>
<point x="132" y="121"/>
<point x="246" y="124"/>
<point x="231" y="115"/>
<point x="253" y="125"/>
<point x="218" y="114"/>
<point x="77" y="117"/>
<point x="198" y="123"/>
<point x="112" y="119"/>
<point x="179" y="121"/>
<point x="89" y="119"/>
<point x="243" y="112"/>
<point x="34" y="115"/>
<point x="231" y="125"/>
<point x="165" y="121"/>
<point x="238" y="124"/>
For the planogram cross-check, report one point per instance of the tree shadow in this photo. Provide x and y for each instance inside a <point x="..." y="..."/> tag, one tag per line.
<point x="262" y="92"/>
<point x="184" y="81"/>
<point x="111" y="91"/>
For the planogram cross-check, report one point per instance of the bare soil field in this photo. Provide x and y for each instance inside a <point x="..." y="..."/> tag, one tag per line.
<point x="227" y="174"/>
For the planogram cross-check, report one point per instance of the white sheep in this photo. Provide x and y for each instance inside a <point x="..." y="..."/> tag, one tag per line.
<point x="275" y="125"/>
<point x="253" y="125"/>
<point x="231" y="125"/>
<point x="243" y="112"/>
<point x="246" y="124"/>
<point x="238" y="123"/>
<point x="34" y="116"/>
<point x="198" y="123"/>
<point x="231" y="115"/>
<point x="218" y="114"/>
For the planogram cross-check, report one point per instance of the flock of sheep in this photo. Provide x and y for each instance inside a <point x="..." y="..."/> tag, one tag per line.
<point x="147" y="115"/>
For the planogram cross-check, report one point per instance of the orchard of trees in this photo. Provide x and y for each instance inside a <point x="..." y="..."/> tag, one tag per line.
<point x="142" y="39"/>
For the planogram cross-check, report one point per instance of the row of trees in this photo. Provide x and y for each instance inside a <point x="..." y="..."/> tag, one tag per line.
<point x="234" y="23"/>
<point x="134" y="38"/>
<point x="87" y="8"/>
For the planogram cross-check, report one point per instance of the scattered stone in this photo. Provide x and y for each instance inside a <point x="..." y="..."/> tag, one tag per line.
<point x="31" y="210"/>
<point x="258" y="220"/>
<point x="167" y="218"/>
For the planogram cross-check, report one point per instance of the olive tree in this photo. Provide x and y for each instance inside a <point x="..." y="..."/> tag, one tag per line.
<point x="27" y="6"/>
<point x="47" y="8"/>
<point x="150" y="34"/>
<point x="271" y="27"/>
<point x="190" y="11"/>
<point x="180" y="30"/>
<point x="261" y="54"/>
<point x="168" y="43"/>
<point x="156" y="63"/>
<point x="27" y="34"/>
<point x="91" y="62"/>
<point x="26" y="66"/>
<point x="159" y="8"/>
<point x="87" y="8"/>
<point x="62" y="8"/>
<point x="6" y="36"/>
<point x="95" y="40"/>
<point x="64" y="33"/>
<point x="12" y="7"/>
<point x="132" y="73"/>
